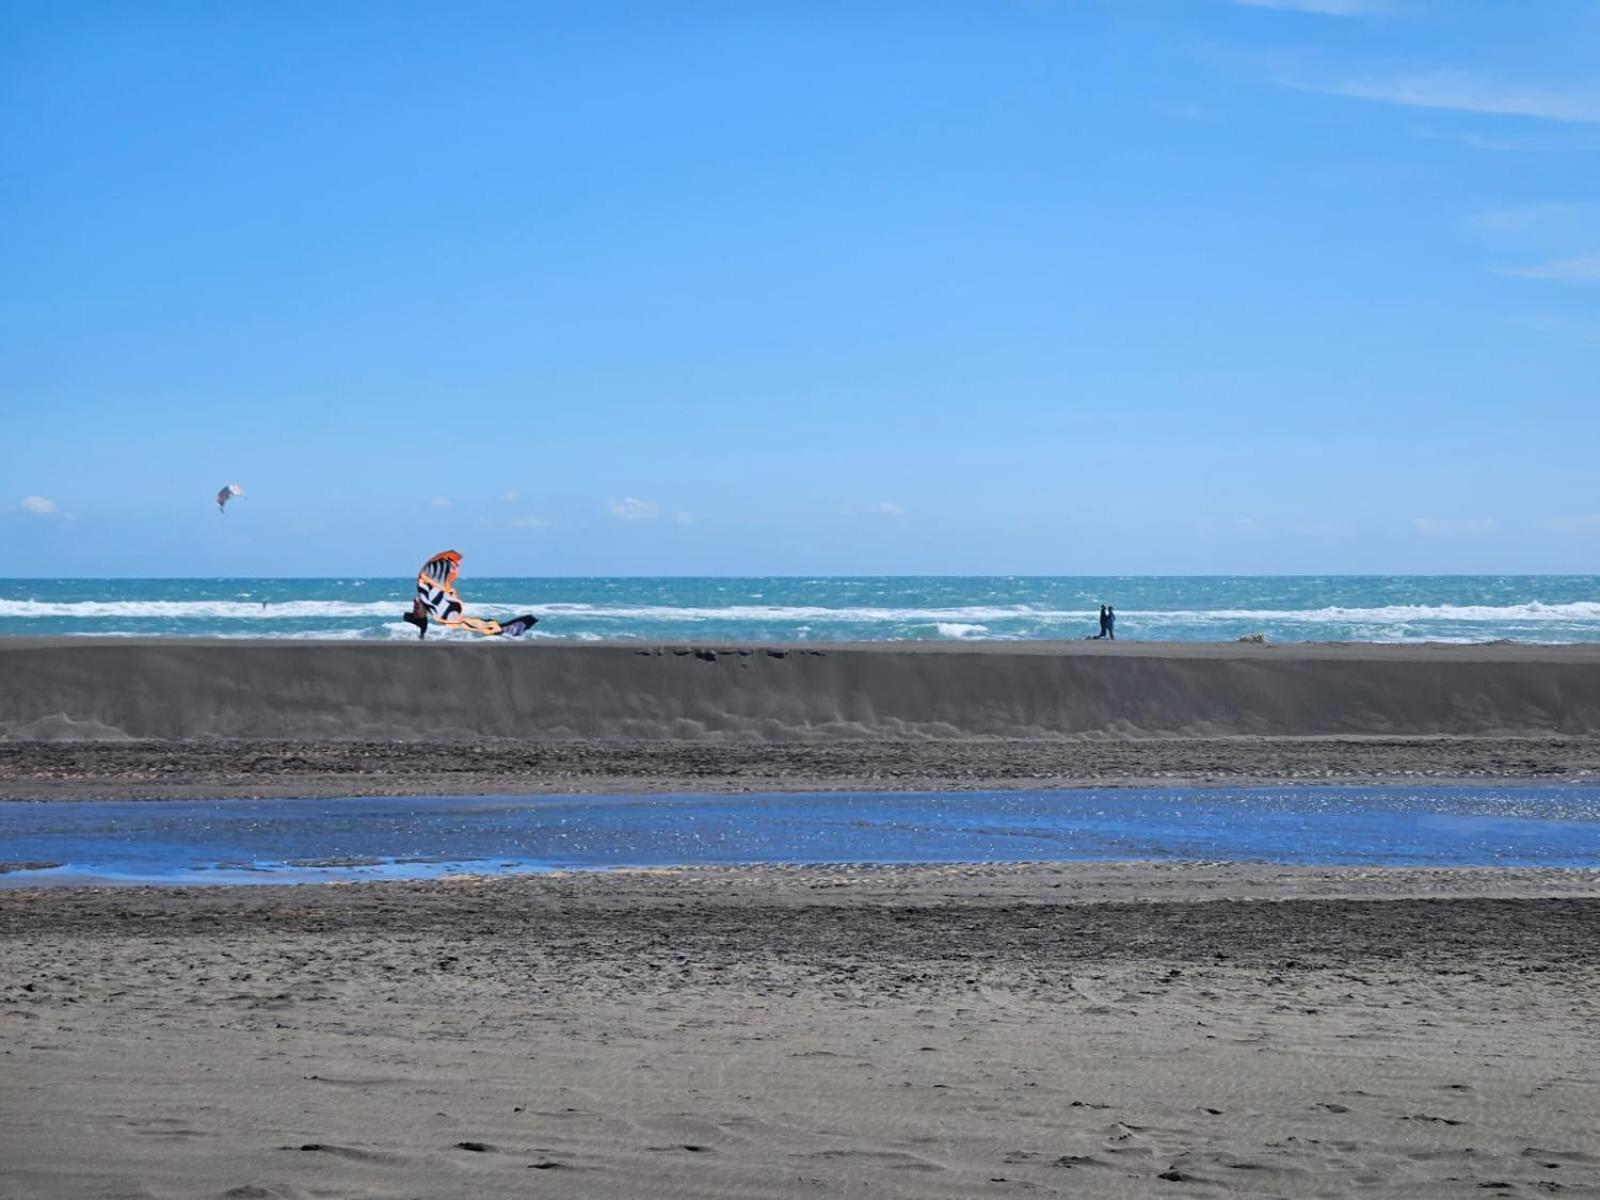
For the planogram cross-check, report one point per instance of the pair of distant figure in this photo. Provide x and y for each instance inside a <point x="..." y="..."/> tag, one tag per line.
<point x="1108" y="623"/>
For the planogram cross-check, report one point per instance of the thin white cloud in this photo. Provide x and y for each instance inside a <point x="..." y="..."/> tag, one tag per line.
<point x="1462" y="91"/>
<point x="1247" y="525"/>
<point x="510" y="496"/>
<point x="1327" y="8"/>
<point x="440" y="502"/>
<point x="887" y="508"/>
<point x="529" y="522"/>
<point x="1583" y="269"/>
<point x="1540" y="217"/>
<point x="631" y="508"/>
<point x="39" y="506"/>
<point x="1589" y="524"/>
<point x="1562" y="325"/>
<point x="1433" y="527"/>
<point x="1556" y="144"/>
<point x="1324" y="529"/>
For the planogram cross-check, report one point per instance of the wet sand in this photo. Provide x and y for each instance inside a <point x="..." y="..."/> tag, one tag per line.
<point x="248" y="768"/>
<point x="1095" y="1030"/>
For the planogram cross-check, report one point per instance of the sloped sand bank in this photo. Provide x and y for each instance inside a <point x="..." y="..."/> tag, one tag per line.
<point x="180" y="689"/>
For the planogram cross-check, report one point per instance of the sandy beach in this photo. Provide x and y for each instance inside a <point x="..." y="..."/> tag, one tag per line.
<point x="1100" y="1030"/>
<point x="1088" y="1030"/>
<point x="165" y="717"/>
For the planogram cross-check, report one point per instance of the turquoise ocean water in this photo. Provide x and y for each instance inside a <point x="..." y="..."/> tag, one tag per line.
<point x="1388" y="608"/>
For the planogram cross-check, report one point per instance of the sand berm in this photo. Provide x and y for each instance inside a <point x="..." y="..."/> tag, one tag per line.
<point x="156" y="716"/>
<point x="169" y="688"/>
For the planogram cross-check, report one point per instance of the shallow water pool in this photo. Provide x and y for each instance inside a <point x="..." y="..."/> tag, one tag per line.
<point x="281" y="841"/>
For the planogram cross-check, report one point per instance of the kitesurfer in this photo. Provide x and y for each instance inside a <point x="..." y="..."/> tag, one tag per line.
<point x="436" y="600"/>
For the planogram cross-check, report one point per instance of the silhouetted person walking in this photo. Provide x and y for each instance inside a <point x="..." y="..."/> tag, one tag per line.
<point x="1103" y="624"/>
<point x="1111" y="623"/>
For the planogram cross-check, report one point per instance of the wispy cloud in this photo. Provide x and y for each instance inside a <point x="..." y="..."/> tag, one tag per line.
<point x="1433" y="527"/>
<point x="440" y="502"/>
<point x="1589" y="524"/>
<point x="1540" y="217"/>
<point x="631" y="508"/>
<point x="1567" y="326"/>
<point x="528" y="522"/>
<point x="1560" y="143"/>
<point x="510" y="496"/>
<point x="39" y="506"/>
<point x="1327" y="8"/>
<point x="887" y="508"/>
<point x="1583" y="269"/>
<point x="1463" y="91"/>
<point x="1324" y="529"/>
<point x="1558" y="236"/>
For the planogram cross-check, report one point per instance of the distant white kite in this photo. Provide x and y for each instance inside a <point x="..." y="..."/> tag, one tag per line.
<point x="226" y="494"/>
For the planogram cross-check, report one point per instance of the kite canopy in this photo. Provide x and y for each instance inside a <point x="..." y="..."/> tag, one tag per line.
<point x="228" y="492"/>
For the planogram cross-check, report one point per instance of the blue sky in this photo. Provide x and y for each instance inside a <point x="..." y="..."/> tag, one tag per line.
<point x="1056" y="287"/>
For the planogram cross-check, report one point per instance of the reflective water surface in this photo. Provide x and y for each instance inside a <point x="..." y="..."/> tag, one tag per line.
<point x="279" y="841"/>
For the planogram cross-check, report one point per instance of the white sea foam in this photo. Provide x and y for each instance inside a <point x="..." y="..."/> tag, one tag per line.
<point x="1582" y="611"/>
<point x="196" y="610"/>
<point x="956" y="629"/>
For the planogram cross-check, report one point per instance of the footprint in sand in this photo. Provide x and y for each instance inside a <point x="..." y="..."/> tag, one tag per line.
<point x="350" y="1152"/>
<point x="893" y="1159"/>
<point x="1577" y="1156"/>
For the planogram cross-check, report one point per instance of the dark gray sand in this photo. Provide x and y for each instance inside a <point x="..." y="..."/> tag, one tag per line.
<point x="248" y="768"/>
<point x="1083" y="1030"/>
<point x="58" y="689"/>
<point x="172" y="717"/>
<point x="1080" y="1030"/>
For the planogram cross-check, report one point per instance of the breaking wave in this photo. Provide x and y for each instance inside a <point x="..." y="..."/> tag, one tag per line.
<point x="1289" y="609"/>
<point x="962" y="619"/>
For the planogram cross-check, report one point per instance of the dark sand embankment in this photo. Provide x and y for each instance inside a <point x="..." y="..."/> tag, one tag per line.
<point x="152" y="717"/>
<point x="1078" y="1030"/>
<point x="170" y="688"/>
